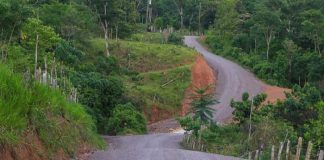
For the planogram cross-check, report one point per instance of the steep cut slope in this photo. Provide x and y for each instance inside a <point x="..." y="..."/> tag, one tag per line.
<point x="37" y="122"/>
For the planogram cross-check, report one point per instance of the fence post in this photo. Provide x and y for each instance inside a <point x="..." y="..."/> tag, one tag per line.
<point x="280" y="150"/>
<point x="299" y="147"/>
<point x="250" y="155"/>
<point x="309" y="150"/>
<point x="287" y="150"/>
<point x="273" y="152"/>
<point x="321" y="155"/>
<point x="256" y="157"/>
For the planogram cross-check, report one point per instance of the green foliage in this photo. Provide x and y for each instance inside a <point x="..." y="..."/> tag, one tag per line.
<point x="68" y="54"/>
<point x="47" y="36"/>
<point x="163" y="89"/>
<point x="126" y="120"/>
<point x="201" y="105"/>
<point x="315" y="129"/>
<point x="190" y="124"/>
<point x="299" y="107"/>
<point x="147" y="37"/>
<point x="279" y="41"/>
<point x="175" y="38"/>
<point x="232" y="139"/>
<point x="72" y="21"/>
<point x="99" y="94"/>
<point x="37" y="108"/>
<point x="243" y="108"/>
<point x="12" y="15"/>
<point x="14" y="99"/>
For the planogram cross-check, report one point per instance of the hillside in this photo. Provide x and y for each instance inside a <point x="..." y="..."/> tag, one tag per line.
<point x="71" y="70"/>
<point x="158" y="77"/>
<point x="37" y="122"/>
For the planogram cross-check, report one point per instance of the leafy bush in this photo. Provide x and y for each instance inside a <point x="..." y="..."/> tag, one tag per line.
<point x="126" y="120"/>
<point x="99" y="94"/>
<point x="175" y="38"/>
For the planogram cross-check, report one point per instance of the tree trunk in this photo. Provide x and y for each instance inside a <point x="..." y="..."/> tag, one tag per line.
<point x="199" y="18"/>
<point x="116" y="32"/>
<point x="105" y="29"/>
<point x="181" y="17"/>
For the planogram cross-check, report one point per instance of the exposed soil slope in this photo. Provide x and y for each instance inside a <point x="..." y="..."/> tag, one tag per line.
<point x="202" y="75"/>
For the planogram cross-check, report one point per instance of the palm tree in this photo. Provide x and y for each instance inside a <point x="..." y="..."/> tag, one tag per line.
<point x="201" y="102"/>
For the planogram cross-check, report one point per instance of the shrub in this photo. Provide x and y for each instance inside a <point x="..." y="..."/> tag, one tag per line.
<point x="126" y="120"/>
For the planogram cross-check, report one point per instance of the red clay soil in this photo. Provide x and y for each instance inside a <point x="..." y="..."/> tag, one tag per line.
<point x="201" y="76"/>
<point x="156" y="114"/>
<point x="31" y="149"/>
<point x="275" y="93"/>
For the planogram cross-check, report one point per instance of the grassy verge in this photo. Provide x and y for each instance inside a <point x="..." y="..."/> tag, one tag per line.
<point x="39" y="110"/>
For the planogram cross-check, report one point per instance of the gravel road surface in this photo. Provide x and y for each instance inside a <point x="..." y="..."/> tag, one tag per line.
<point x="232" y="81"/>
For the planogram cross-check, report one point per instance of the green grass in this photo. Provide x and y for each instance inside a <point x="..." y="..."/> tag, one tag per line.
<point x="148" y="37"/>
<point x="145" y="57"/>
<point x="164" y="89"/>
<point x="154" y="65"/>
<point x="45" y="112"/>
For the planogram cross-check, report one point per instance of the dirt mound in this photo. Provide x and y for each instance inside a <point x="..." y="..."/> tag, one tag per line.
<point x="275" y="93"/>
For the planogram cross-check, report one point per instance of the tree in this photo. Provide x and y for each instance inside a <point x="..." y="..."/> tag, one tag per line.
<point x="315" y="129"/>
<point x="313" y="25"/>
<point x="201" y="102"/>
<point x="180" y="5"/>
<point x="243" y="108"/>
<point x="299" y="107"/>
<point x="226" y="21"/>
<point x="43" y="38"/>
<point x="267" y="23"/>
<point x="72" y="21"/>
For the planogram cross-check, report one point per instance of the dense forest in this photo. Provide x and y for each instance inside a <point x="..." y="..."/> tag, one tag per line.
<point x="98" y="65"/>
<point x="281" y="41"/>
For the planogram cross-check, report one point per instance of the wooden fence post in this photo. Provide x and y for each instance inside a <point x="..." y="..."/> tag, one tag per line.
<point x="280" y="150"/>
<point x="299" y="147"/>
<point x="273" y="152"/>
<point x="321" y="155"/>
<point x="287" y="150"/>
<point x="256" y="157"/>
<point x="250" y="155"/>
<point x="309" y="150"/>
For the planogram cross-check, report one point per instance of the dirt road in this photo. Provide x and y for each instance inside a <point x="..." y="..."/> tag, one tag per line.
<point x="232" y="81"/>
<point x="152" y="147"/>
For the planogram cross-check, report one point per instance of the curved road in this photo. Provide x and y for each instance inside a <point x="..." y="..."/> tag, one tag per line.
<point x="232" y="81"/>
